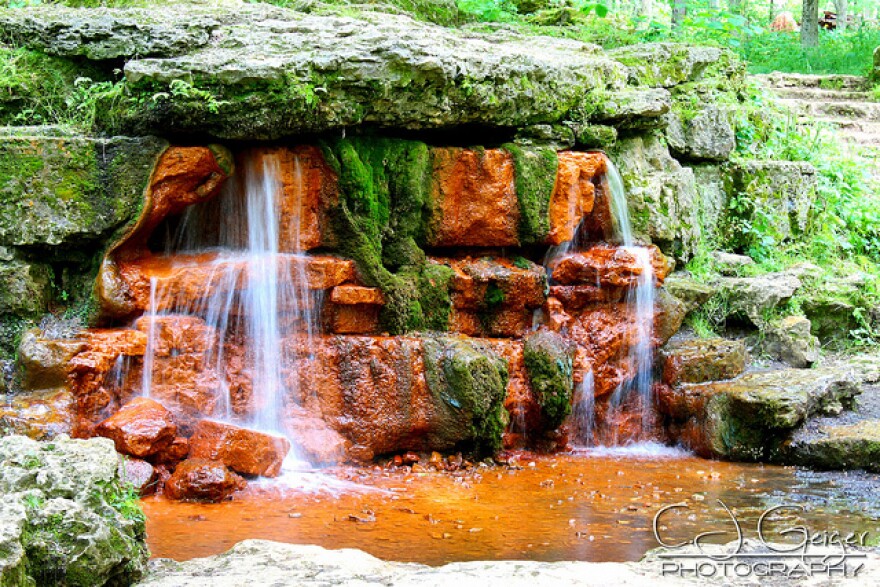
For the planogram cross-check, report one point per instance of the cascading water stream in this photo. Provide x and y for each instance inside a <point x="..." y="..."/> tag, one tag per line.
<point x="640" y="300"/>
<point x="256" y="303"/>
<point x="635" y="392"/>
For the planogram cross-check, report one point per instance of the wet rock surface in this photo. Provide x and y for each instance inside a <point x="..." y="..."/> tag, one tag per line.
<point x="702" y="360"/>
<point x="141" y="428"/>
<point x="242" y="450"/>
<point x="198" y="479"/>
<point x="752" y="417"/>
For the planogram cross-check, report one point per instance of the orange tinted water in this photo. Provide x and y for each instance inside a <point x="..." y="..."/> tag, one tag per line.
<point x="564" y="507"/>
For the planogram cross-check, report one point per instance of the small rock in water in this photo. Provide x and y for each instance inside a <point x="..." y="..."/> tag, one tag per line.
<point x="410" y="458"/>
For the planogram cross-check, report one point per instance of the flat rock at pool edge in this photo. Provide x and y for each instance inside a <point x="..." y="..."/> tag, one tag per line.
<point x="143" y="427"/>
<point x="202" y="480"/>
<point x="242" y="450"/>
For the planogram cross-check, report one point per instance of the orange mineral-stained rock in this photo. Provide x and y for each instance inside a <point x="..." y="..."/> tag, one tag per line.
<point x="351" y="295"/>
<point x="574" y="192"/>
<point x="242" y="450"/>
<point x="185" y="281"/>
<point x="202" y="480"/>
<point x="183" y="176"/>
<point x="143" y="427"/>
<point x="607" y="266"/>
<point x="308" y="190"/>
<point x="474" y="198"/>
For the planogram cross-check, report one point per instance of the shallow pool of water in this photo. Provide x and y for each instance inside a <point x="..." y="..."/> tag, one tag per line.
<point x="592" y="506"/>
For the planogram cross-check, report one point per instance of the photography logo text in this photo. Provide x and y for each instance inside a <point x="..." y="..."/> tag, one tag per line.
<point x="781" y="549"/>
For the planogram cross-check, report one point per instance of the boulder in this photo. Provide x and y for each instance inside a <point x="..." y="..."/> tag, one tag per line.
<point x="40" y="415"/>
<point x="138" y="474"/>
<point x="474" y="199"/>
<point x="702" y="360"/>
<point x="779" y="194"/>
<point x="67" y="518"/>
<point x="68" y="190"/>
<point x="756" y="297"/>
<point x="843" y="446"/>
<point x="316" y="441"/>
<point x="143" y="427"/>
<point x="635" y="108"/>
<point x="790" y="341"/>
<point x="661" y="195"/>
<point x="753" y="417"/>
<point x="467" y="381"/>
<point x="705" y="134"/>
<point x="608" y="266"/>
<point x="730" y="264"/>
<point x="669" y="314"/>
<point x="670" y="64"/>
<point x="25" y="288"/>
<point x="690" y="292"/>
<point x="197" y="479"/>
<point x="548" y="360"/>
<point x="43" y="362"/>
<point x="242" y="450"/>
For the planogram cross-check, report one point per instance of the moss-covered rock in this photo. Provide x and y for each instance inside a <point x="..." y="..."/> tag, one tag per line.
<point x="661" y="194"/>
<point x="67" y="189"/>
<point x="847" y="446"/>
<point x="73" y="522"/>
<point x="767" y="198"/>
<point x="752" y="417"/>
<point x="670" y="64"/>
<point x="468" y="382"/>
<point x="384" y="193"/>
<point x="25" y="288"/>
<point x="535" y="176"/>
<point x="548" y="359"/>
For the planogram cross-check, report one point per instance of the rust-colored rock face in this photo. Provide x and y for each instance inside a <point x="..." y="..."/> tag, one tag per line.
<point x="242" y="450"/>
<point x="350" y="392"/>
<point x="143" y="427"/>
<point x="607" y="266"/>
<point x="308" y="190"/>
<point x="574" y="193"/>
<point x="202" y="480"/>
<point x="474" y="199"/>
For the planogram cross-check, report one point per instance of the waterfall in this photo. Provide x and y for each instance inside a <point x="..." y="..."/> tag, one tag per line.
<point x="252" y="294"/>
<point x="584" y="411"/>
<point x="640" y="301"/>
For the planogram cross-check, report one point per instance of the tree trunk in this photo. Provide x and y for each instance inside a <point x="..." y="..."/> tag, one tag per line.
<point x="842" y="13"/>
<point x="810" y="24"/>
<point x="679" y="10"/>
<point x="646" y="10"/>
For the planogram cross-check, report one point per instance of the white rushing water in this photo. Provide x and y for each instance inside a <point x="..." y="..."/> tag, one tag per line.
<point x="639" y="390"/>
<point x="256" y="296"/>
<point x="641" y="303"/>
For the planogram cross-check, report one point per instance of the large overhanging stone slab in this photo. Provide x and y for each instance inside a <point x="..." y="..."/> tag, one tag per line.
<point x="270" y="72"/>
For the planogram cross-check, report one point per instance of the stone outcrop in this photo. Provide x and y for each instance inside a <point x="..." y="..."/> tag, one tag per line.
<point x="266" y="562"/>
<point x="65" y="516"/>
<point x="789" y="339"/>
<point x="249" y="82"/>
